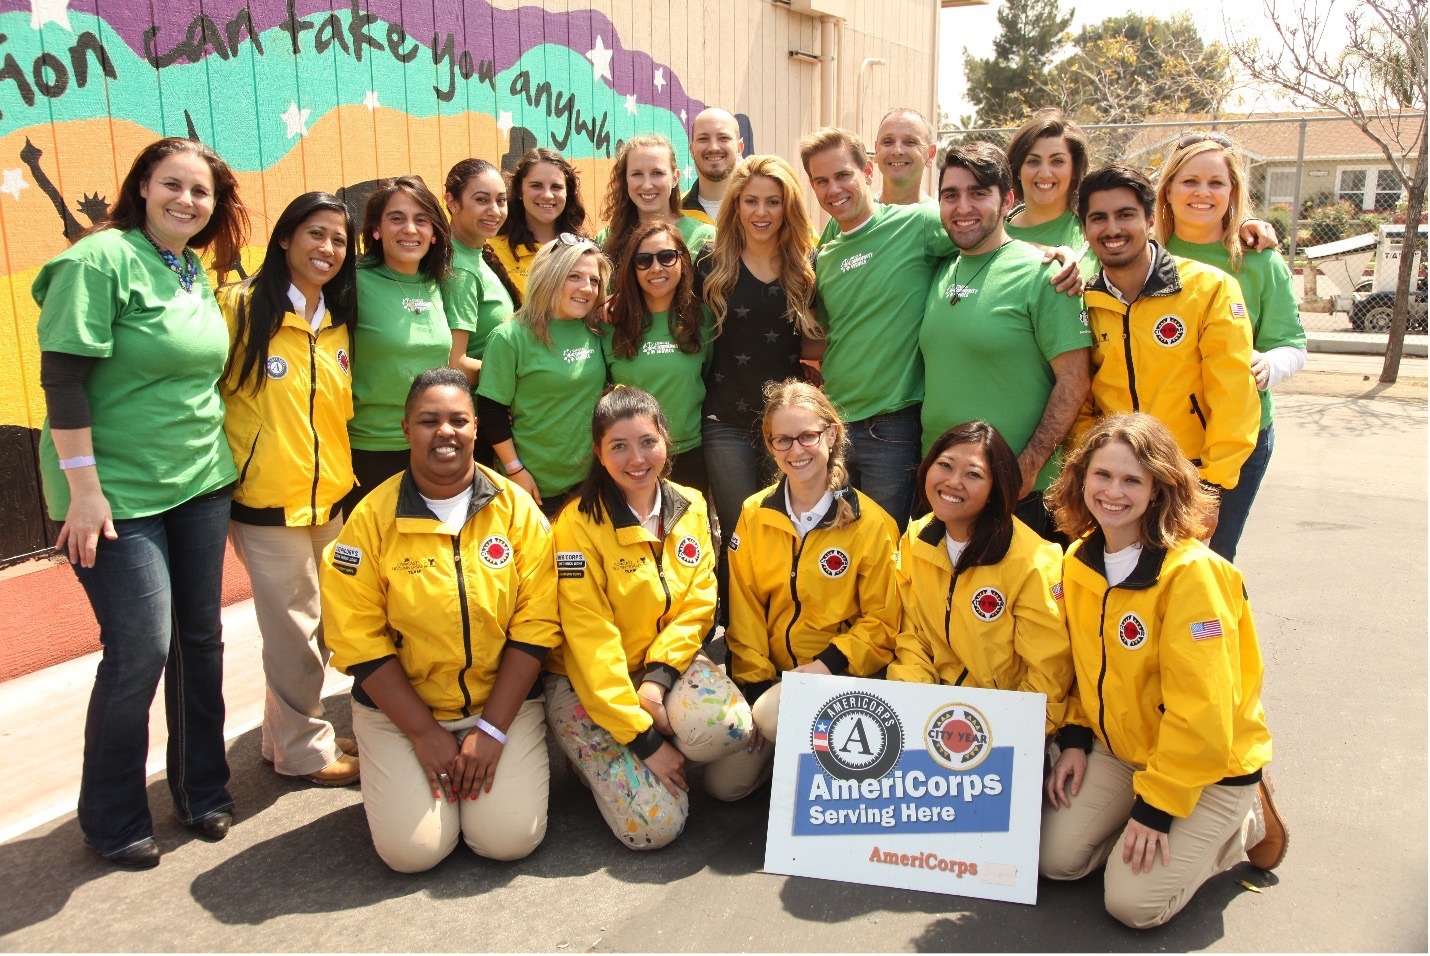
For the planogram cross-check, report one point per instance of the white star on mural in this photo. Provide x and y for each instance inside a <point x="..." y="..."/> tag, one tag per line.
<point x="683" y="117"/>
<point x="659" y="79"/>
<point x="505" y="121"/>
<point x="600" y="58"/>
<point x="688" y="173"/>
<point x="370" y="101"/>
<point x="631" y="107"/>
<point x="14" y="181"/>
<point x="296" y="120"/>
<point x="49" y="11"/>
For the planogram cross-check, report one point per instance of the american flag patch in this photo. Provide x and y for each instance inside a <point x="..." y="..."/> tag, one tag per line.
<point x="1201" y="630"/>
<point x="1238" y="309"/>
<point x="1057" y="590"/>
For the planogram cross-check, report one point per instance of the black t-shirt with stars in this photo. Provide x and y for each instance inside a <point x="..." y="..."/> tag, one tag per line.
<point x="757" y="344"/>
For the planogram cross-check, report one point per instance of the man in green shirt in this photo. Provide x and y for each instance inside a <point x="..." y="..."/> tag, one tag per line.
<point x="999" y="342"/>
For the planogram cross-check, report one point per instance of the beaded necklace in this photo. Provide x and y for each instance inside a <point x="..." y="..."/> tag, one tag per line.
<point x="187" y="271"/>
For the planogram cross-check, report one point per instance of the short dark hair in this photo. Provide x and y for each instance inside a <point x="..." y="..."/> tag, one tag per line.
<point x="435" y="378"/>
<point x="1117" y="175"/>
<point x="984" y="160"/>
<point x="1049" y="121"/>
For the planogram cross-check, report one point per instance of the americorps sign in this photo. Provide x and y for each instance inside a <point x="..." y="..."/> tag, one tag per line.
<point x="908" y="785"/>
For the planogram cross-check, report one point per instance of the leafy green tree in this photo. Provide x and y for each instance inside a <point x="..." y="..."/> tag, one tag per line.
<point x="1012" y="83"/>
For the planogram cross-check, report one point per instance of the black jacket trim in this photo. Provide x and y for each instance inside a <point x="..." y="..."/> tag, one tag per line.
<point x="1149" y="816"/>
<point x="1075" y="735"/>
<point x="1093" y="553"/>
<point x="260" y="517"/>
<point x="1164" y="280"/>
<point x="658" y="672"/>
<point x="411" y="505"/>
<point x="834" y="659"/>
<point x="646" y="742"/>
<point x="775" y="501"/>
<point x="753" y="691"/>
<point x="994" y="551"/>
<point x="691" y="200"/>
<point x="672" y="505"/>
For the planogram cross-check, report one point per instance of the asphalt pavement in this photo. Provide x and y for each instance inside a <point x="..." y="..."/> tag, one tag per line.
<point x="1335" y="558"/>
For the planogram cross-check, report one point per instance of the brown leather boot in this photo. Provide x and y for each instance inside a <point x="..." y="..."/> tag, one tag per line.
<point x="1271" y="850"/>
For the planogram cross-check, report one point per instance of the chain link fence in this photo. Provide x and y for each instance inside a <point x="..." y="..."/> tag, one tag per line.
<point x="1326" y="187"/>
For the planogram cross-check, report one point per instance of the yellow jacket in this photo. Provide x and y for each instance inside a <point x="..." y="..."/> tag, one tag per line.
<point x="1168" y="672"/>
<point x="445" y="605"/>
<point x="830" y="597"/>
<point x="633" y="606"/>
<point x="995" y="624"/>
<point x="290" y="439"/>
<point x="1182" y="353"/>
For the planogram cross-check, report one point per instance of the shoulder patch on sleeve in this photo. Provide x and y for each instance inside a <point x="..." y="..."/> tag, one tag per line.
<point x="1202" y="630"/>
<point x="734" y="542"/>
<point x="346" y="559"/>
<point x="570" y="564"/>
<point x="1057" y="590"/>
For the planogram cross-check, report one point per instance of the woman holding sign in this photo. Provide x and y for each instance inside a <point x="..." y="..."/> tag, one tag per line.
<point x="812" y="586"/>
<point x="980" y="589"/>
<point x="1166" y="730"/>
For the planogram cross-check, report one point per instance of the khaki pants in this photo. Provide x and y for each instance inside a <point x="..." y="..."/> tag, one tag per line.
<point x="710" y="720"/>
<point x="745" y="771"/>
<point x="414" y="831"/>
<point x="1077" y="840"/>
<point x="282" y="564"/>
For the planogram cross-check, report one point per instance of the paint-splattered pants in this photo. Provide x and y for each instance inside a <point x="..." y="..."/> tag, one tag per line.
<point x="710" y="720"/>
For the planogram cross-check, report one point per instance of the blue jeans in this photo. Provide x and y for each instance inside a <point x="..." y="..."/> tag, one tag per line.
<point x="157" y="594"/>
<point x="885" y="459"/>
<point x="1236" y="503"/>
<point x="736" y="466"/>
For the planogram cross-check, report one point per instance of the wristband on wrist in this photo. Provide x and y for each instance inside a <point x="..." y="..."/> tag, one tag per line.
<point x="79" y="461"/>
<point x="491" y="731"/>
<point x="512" y="467"/>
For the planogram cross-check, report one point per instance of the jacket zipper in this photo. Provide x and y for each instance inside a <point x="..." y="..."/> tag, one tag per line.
<point x="796" y="550"/>
<point x="1197" y="411"/>
<point x="660" y="573"/>
<point x="948" y="620"/>
<point x="252" y="450"/>
<point x="466" y="626"/>
<point x="1102" y="675"/>
<point x="312" y="405"/>
<point x="1127" y="354"/>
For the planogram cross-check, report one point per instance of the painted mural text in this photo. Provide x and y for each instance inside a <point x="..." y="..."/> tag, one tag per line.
<point x="49" y="75"/>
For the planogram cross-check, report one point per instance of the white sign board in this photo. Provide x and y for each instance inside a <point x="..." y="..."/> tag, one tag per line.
<point x="915" y="786"/>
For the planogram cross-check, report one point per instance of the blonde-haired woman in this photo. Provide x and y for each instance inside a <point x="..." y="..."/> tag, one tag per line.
<point x="645" y="186"/>
<point x="757" y="284"/>
<point x="812" y="585"/>
<point x="1201" y="197"/>
<point x="1164" y="741"/>
<point x="543" y="370"/>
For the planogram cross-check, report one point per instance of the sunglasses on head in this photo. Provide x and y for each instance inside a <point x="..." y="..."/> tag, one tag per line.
<point x="666" y="257"/>
<point x="571" y="239"/>
<point x="1192" y="139"/>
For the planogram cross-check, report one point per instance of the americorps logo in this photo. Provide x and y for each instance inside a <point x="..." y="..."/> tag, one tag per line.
<point x="864" y="774"/>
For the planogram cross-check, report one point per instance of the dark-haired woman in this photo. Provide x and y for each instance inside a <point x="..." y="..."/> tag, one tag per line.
<point x="656" y="342"/>
<point x="445" y="660"/>
<point x="980" y="588"/>
<point x="644" y="187"/>
<point x="629" y="696"/>
<point x="135" y="466"/>
<point x="288" y="394"/>
<point x="402" y="324"/>
<point x="546" y="193"/>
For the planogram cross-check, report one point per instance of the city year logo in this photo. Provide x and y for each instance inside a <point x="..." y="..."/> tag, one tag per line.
<point x="495" y="551"/>
<point x="834" y="563"/>
<point x="988" y="604"/>
<point x="345" y="363"/>
<point x="957" y="737"/>
<point x="275" y="367"/>
<point x="1131" y="632"/>
<point x="1169" y="330"/>
<point x="857" y="736"/>
<point x="688" y="551"/>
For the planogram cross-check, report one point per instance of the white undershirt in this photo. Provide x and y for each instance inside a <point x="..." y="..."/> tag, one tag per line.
<point x="650" y="522"/>
<point x="1120" y="564"/>
<point x="301" y="304"/>
<point x="803" y="523"/>
<point x="955" y="549"/>
<point x="451" y="512"/>
<point x="711" y="206"/>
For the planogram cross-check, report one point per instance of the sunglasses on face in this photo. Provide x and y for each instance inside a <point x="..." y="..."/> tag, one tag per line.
<point x="1192" y="139"/>
<point x="806" y="439"/>
<point x="666" y="257"/>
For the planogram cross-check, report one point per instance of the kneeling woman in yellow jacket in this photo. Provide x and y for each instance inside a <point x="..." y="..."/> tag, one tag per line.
<point x="630" y="697"/>
<point x="980" y="589"/>
<point x="812" y="585"/>
<point x="439" y="597"/>
<point x="1166" y="727"/>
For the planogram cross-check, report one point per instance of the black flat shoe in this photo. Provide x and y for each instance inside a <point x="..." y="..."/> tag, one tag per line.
<point x="145" y="856"/>
<point x="213" y="828"/>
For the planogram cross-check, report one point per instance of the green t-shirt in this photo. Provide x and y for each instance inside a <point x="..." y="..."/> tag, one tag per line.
<point x="1265" y="282"/>
<point x="870" y="288"/>
<point x="401" y="332"/>
<point x="474" y="298"/>
<point x="692" y="231"/>
<point x="831" y="228"/>
<point x="1062" y="231"/>
<point x="551" y="391"/>
<point x="674" y="377"/>
<point x="987" y="356"/>
<point x="156" y="414"/>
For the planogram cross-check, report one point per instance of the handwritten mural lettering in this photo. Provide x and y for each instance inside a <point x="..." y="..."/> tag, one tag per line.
<point x="50" y="75"/>
<point x="558" y="106"/>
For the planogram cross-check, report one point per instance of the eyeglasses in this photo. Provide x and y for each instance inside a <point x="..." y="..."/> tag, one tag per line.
<point x="571" y="239"/>
<point x="666" y="257"/>
<point x="806" y="439"/>
<point x="1192" y="139"/>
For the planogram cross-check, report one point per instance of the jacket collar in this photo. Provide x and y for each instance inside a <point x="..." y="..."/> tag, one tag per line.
<point x="1092" y="552"/>
<point x="1164" y="279"/>
<point x="411" y="505"/>
<point x="995" y="550"/>
<point x="672" y="506"/>
<point x="775" y="501"/>
<point x="692" y="198"/>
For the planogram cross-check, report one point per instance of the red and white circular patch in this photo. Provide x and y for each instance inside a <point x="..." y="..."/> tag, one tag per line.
<point x="344" y="362"/>
<point x="988" y="604"/>
<point x="1131" y="632"/>
<point x="833" y="563"/>
<point x="688" y="551"/>
<point x="1169" y="330"/>
<point x="495" y="551"/>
